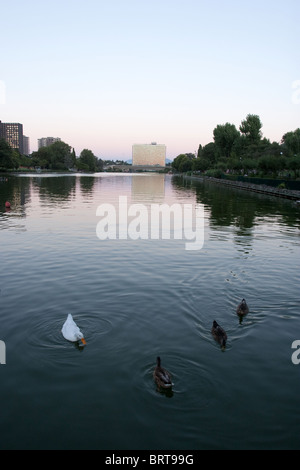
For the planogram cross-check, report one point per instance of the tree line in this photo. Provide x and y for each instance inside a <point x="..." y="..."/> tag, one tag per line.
<point x="244" y="150"/>
<point x="58" y="156"/>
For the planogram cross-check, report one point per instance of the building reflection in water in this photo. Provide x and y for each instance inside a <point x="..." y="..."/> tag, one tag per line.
<point x="148" y="188"/>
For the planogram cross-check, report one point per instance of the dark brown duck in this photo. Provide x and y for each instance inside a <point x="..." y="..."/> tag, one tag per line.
<point x="162" y="377"/>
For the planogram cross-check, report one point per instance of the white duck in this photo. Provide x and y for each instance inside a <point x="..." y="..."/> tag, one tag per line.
<point x="71" y="332"/>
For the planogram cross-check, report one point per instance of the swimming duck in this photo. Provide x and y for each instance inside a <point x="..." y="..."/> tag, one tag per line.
<point x="71" y="332"/>
<point x="219" y="334"/>
<point x="242" y="308"/>
<point x="162" y="377"/>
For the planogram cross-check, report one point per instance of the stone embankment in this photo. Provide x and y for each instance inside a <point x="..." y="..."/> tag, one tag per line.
<point x="257" y="188"/>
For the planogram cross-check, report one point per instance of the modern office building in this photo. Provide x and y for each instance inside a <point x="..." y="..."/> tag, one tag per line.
<point x="47" y="141"/>
<point x="149" y="155"/>
<point x="13" y="134"/>
<point x="26" y="147"/>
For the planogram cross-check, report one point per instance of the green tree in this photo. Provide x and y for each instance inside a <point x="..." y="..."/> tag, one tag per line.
<point x="9" y="158"/>
<point x="225" y="136"/>
<point x="57" y="156"/>
<point x="291" y="141"/>
<point x="248" y="164"/>
<point x="209" y="153"/>
<point x="99" y="164"/>
<point x="25" y="161"/>
<point x="293" y="164"/>
<point x="200" y="151"/>
<point x="235" y="163"/>
<point x="251" y="128"/>
<point x="177" y="161"/>
<point x="200" y="164"/>
<point x="183" y="163"/>
<point x="269" y="164"/>
<point x="42" y="158"/>
<point x="88" y="160"/>
<point x="60" y="156"/>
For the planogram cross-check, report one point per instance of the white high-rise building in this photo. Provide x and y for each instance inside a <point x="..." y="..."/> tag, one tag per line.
<point x="46" y="141"/>
<point x="149" y="154"/>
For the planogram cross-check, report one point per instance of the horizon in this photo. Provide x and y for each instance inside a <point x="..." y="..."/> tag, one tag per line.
<point x="103" y="76"/>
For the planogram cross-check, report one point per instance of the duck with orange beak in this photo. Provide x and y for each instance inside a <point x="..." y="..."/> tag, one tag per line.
<point x="71" y="332"/>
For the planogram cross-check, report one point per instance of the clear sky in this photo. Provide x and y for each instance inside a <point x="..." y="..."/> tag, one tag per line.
<point x="104" y="75"/>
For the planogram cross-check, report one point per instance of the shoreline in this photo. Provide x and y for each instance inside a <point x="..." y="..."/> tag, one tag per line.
<point x="257" y="188"/>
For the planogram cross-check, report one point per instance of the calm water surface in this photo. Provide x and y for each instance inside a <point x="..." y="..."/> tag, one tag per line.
<point x="135" y="300"/>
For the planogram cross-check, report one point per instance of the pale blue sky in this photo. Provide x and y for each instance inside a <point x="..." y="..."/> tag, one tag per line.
<point x="106" y="74"/>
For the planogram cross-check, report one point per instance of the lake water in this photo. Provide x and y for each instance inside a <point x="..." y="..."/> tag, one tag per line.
<point x="137" y="299"/>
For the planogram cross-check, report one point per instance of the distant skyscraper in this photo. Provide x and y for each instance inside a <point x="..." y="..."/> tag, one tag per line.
<point x="46" y="141"/>
<point x="26" y="149"/>
<point x="149" y="154"/>
<point x="13" y="134"/>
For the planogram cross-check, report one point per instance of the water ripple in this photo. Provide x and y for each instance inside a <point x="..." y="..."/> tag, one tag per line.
<point x="193" y="384"/>
<point x="46" y="345"/>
